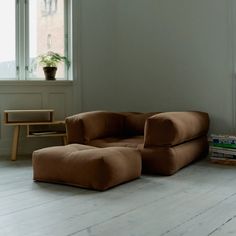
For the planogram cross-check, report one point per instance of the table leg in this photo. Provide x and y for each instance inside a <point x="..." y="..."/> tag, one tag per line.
<point x="64" y="139"/>
<point x="15" y="142"/>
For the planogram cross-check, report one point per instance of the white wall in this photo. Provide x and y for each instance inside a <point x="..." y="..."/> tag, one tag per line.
<point x="158" y="55"/>
<point x="56" y="95"/>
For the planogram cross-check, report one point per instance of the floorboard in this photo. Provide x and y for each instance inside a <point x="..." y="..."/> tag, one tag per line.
<point x="198" y="200"/>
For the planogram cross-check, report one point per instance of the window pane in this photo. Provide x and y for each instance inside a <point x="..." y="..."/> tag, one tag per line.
<point x="46" y="33"/>
<point x="7" y="40"/>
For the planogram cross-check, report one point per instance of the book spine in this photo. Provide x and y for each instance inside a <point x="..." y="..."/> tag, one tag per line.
<point x="223" y="150"/>
<point x="222" y="153"/>
<point x="227" y="141"/>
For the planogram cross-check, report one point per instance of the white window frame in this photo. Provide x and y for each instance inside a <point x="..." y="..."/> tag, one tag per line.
<point x="22" y="39"/>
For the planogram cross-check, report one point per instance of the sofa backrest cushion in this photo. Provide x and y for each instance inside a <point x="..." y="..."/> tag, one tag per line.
<point x="101" y="124"/>
<point x="134" y="122"/>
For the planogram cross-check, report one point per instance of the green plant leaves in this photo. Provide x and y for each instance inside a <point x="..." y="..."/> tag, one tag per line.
<point x="52" y="59"/>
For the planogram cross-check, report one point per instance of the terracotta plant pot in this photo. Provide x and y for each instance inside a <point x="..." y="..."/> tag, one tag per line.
<point x="50" y="72"/>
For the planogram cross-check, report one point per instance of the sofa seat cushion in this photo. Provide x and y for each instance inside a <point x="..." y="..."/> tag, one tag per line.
<point x="64" y="150"/>
<point x="96" y="168"/>
<point x="132" y="142"/>
<point x="168" y="160"/>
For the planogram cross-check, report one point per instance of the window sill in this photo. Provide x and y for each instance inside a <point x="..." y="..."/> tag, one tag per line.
<point x="36" y="83"/>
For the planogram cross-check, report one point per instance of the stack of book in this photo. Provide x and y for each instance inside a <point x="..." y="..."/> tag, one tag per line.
<point x="223" y="148"/>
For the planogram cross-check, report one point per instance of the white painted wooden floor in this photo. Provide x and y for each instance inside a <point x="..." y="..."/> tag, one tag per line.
<point x="199" y="200"/>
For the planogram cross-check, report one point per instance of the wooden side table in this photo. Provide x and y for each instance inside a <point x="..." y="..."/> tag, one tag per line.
<point x="39" y="123"/>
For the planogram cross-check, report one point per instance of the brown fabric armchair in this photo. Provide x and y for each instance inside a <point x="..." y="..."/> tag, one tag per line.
<point x="167" y="141"/>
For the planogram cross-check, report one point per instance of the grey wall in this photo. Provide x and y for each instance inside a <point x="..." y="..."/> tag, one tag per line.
<point x="96" y="53"/>
<point x="158" y="55"/>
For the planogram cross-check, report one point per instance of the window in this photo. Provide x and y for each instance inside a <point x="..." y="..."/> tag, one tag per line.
<point x="34" y="27"/>
<point x="7" y="40"/>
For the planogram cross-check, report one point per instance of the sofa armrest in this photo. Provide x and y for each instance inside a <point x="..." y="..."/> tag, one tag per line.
<point x="74" y="129"/>
<point x="88" y="126"/>
<point x="172" y="128"/>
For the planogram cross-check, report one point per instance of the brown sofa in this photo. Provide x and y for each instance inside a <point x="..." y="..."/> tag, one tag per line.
<point x="167" y="141"/>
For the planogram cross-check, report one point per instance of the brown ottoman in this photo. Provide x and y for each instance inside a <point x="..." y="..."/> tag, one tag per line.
<point x="86" y="166"/>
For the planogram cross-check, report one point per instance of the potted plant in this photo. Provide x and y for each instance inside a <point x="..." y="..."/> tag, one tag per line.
<point x="50" y="61"/>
